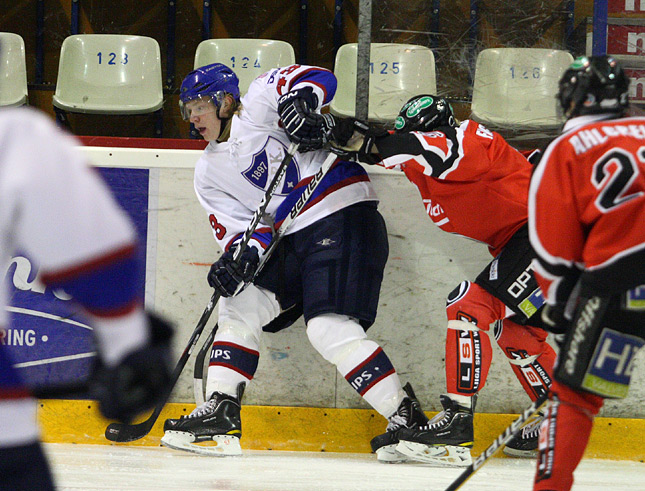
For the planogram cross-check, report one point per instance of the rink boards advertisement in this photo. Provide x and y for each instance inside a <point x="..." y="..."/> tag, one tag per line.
<point x="48" y="341"/>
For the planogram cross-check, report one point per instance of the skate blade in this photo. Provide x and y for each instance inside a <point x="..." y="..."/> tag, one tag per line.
<point x="514" y="452"/>
<point x="225" y="445"/>
<point x="440" y="455"/>
<point x="388" y="455"/>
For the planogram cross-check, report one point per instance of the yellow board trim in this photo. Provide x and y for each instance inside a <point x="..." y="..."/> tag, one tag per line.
<point x="319" y="429"/>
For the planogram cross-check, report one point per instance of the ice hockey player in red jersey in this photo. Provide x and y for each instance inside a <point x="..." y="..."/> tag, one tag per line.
<point x="57" y="210"/>
<point x="474" y="184"/>
<point x="586" y="215"/>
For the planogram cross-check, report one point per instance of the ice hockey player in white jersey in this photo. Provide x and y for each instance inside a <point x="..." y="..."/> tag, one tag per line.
<point x="328" y="267"/>
<point x="57" y="210"/>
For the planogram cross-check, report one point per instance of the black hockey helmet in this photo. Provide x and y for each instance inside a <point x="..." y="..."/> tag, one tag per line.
<point x="424" y="113"/>
<point x="592" y="85"/>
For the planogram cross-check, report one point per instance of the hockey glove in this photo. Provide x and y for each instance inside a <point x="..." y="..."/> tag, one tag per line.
<point x="353" y="139"/>
<point x="226" y="275"/>
<point x="301" y="122"/>
<point x="554" y="319"/>
<point x="140" y="381"/>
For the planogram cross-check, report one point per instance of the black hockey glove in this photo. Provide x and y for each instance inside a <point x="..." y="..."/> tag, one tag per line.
<point x="140" y="381"/>
<point x="225" y="274"/>
<point x="554" y="319"/>
<point x="343" y="131"/>
<point x="360" y="143"/>
<point x="301" y="122"/>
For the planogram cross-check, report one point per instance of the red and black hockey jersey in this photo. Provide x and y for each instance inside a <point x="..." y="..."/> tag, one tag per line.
<point x="587" y="207"/>
<point x="472" y="182"/>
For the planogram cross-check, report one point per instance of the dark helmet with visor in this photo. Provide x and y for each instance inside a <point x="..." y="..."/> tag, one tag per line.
<point x="424" y="113"/>
<point x="209" y="84"/>
<point x="592" y="85"/>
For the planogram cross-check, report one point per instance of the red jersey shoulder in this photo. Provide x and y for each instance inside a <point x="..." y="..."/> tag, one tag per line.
<point x="478" y="131"/>
<point x="596" y="137"/>
<point x="433" y="140"/>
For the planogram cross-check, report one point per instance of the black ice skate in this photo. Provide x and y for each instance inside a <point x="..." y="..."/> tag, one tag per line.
<point x="408" y="415"/>
<point x="445" y="440"/>
<point x="525" y="443"/>
<point x="218" y="420"/>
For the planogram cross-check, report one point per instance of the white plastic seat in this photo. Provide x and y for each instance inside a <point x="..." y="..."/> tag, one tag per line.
<point x="516" y="87"/>
<point x="109" y="74"/>
<point x="13" y="70"/>
<point x="248" y="58"/>
<point x="397" y="73"/>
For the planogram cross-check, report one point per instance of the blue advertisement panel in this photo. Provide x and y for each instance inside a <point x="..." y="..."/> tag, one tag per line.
<point x="48" y="339"/>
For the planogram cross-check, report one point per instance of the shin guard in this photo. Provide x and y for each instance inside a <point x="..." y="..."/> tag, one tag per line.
<point x="468" y="358"/>
<point x="529" y="355"/>
<point x="564" y="436"/>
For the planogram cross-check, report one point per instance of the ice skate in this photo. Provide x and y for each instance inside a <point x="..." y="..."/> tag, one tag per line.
<point x="408" y="415"/>
<point x="217" y="420"/>
<point x="445" y="440"/>
<point x="525" y="443"/>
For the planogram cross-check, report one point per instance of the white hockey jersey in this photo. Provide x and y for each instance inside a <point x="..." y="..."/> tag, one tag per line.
<point x="54" y="208"/>
<point x="231" y="177"/>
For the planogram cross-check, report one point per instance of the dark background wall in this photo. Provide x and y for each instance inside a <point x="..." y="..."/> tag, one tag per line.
<point x="315" y="28"/>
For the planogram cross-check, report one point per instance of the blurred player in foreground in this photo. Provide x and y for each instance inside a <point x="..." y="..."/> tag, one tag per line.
<point x="587" y="225"/>
<point x="474" y="184"/>
<point x="329" y="266"/>
<point x="57" y="210"/>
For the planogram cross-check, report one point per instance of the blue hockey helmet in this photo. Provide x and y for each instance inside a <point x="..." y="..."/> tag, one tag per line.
<point x="592" y="85"/>
<point x="209" y="83"/>
<point x="424" y="113"/>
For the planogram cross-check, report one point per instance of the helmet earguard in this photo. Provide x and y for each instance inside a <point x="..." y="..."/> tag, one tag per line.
<point x="592" y="85"/>
<point x="424" y="113"/>
<point x="210" y="83"/>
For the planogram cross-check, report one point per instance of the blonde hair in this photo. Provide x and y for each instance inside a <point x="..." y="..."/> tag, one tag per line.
<point x="225" y="132"/>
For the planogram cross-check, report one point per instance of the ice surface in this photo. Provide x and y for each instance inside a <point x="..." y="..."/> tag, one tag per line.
<point x="99" y="467"/>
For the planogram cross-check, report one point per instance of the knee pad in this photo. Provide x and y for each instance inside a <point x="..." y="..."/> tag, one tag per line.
<point x="470" y="303"/>
<point x="335" y="336"/>
<point x="342" y="341"/>
<point x="233" y="331"/>
<point x="253" y="308"/>
<point x="530" y="356"/>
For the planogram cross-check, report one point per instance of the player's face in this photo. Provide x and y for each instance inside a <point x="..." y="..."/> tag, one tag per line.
<point x="203" y="115"/>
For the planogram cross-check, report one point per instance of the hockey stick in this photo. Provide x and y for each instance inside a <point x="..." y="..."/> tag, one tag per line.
<point x="198" y="371"/>
<point x="297" y="208"/>
<point x="499" y="442"/>
<point x="121" y="432"/>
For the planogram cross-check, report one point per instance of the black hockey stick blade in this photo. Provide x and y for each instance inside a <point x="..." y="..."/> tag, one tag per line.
<point x="499" y="442"/>
<point x="122" y="432"/>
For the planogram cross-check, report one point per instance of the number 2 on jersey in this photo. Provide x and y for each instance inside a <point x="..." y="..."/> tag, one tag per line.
<point x="613" y="174"/>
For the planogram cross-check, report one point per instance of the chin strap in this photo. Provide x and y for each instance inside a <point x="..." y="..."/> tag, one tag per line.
<point x="226" y="131"/>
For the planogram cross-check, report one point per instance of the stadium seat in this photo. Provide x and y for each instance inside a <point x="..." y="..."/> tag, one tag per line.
<point x="516" y="87"/>
<point x="13" y="70"/>
<point x="397" y="72"/>
<point x="109" y="74"/>
<point x="248" y="58"/>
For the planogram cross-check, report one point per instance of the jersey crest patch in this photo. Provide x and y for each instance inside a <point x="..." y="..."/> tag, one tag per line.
<point x="265" y="164"/>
